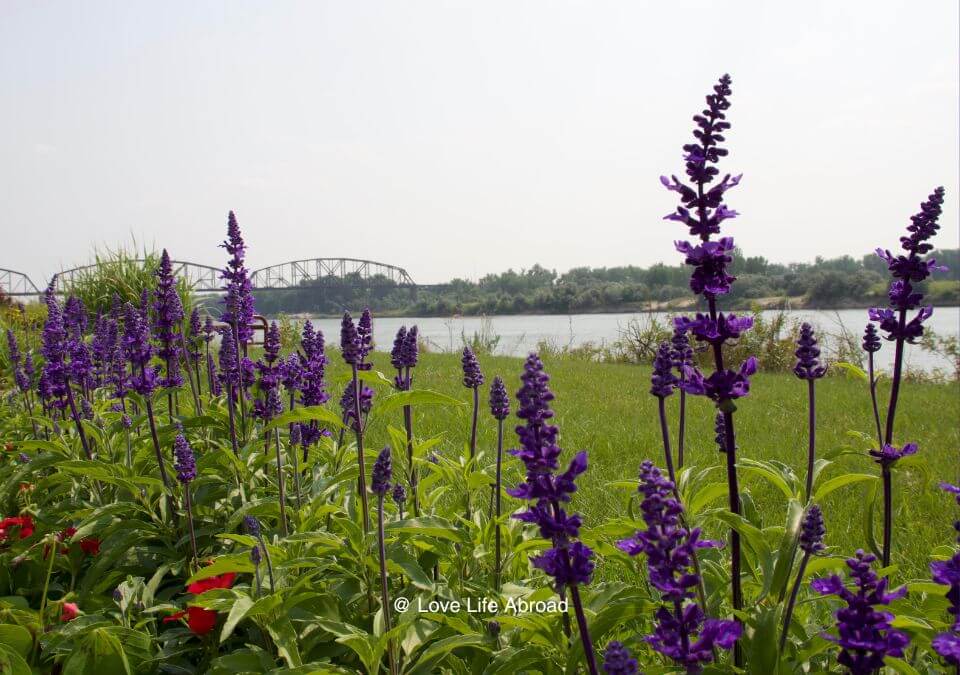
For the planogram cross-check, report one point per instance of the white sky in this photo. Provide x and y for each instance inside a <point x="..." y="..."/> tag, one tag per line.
<point x="459" y="138"/>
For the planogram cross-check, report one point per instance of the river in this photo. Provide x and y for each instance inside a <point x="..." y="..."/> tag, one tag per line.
<point x="520" y="334"/>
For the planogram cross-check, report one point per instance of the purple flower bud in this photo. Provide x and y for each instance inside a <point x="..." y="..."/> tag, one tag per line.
<point x="382" y="472"/>
<point x="663" y="380"/>
<point x="168" y="317"/>
<point x="411" y="348"/>
<point x="229" y="367"/>
<point x="617" y="660"/>
<point x="472" y="377"/>
<point x="185" y="464"/>
<point x="871" y="340"/>
<point x="396" y="354"/>
<point x="252" y="525"/>
<point x="809" y="366"/>
<point x="681" y="352"/>
<point x="723" y="385"/>
<point x="256" y="557"/>
<point x="720" y="432"/>
<point x="499" y="400"/>
<point x="399" y="495"/>
<point x="139" y="351"/>
<point x="812" y="530"/>
<point x="24" y="458"/>
<point x="365" y="337"/>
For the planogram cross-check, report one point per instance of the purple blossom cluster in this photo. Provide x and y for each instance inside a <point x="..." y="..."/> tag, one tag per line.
<point x="185" y="464"/>
<point x="865" y="635"/>
<point x="269" y="368"/>
<point x="238" y="308"/>
<point x="682" y="632"/>
<point x="947" y="572"/>
<point x="404" y="356"/>
<point x="167" y="321"/>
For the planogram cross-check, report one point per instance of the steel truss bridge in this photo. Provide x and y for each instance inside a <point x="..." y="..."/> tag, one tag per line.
<point x="288" y="276"/>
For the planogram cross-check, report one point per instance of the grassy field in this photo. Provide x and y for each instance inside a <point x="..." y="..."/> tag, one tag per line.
<point x="607" y="410"/>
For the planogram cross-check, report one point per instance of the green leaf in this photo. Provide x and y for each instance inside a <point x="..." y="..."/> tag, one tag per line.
<point x="285" y="638"/>
<point x="516" y="659"/>
<point x="238" y="562"/>
<point x="415" y="397"/>
<point x="100" y="652"/>
<point x="312" y="413"/>
<point x="237" y="612"/>
<point x="852" y="370"/>
<point x="17" y="638"/>
<point x="763" y="649"/>
<point x="769" y="473"/>
<point x="438" y="650"/>
<point x="788" y="547"/>
<point x="868" y="518"/>
<point x="901" y="666"/>
<point x="11" y="663"/>
<point x="837" y="482"/>
<point x="707" y="494"/>
<point x="429" y="526"/>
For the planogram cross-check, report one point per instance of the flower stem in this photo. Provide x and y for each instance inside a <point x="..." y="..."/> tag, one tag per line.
<point x="584" y="631"/>
<point x="873" y="397"/>
<point x="362" y="487"/>
<point x="682" y="423"/>
<point x="496" y="501"/>
<point x="413" y="478"/>
<point x="887" y="513"/>
<point x="384" y="589"/>
<point x="811" y="432"/>
<point x="280" y="490"/>
<point x="888" y="439"/>
<point x="188" y="506"/>
<point x="53" y="545"/>
<point x="793" y="600"/>
<point x="76" y="419"/>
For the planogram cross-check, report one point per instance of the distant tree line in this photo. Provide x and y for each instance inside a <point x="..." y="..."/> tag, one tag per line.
<point x="825" y="283"/>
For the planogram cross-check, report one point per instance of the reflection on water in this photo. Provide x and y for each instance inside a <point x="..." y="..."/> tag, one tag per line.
<point x="519" y="334"/>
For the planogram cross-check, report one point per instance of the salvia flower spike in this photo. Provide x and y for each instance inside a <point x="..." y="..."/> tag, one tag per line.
<point x="812" y="531"/>
<point x="568" y="561"/>
<point x="865" y="634"/>
<point x="681" y="632"/>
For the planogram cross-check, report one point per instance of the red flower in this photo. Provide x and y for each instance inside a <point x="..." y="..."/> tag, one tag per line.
<point x="90" y="545"/>
<point x="200" y="621"/>
<point x="69" y="611"/>
<point x="8" y="446"/>
<point x="204" y="585"/>
<point x="25" y="523"/>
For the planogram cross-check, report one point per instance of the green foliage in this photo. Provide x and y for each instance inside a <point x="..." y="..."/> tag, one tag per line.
<point x="120" y="272"/>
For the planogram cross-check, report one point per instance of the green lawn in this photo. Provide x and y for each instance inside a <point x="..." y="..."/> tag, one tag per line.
<point x="607" y="410"/>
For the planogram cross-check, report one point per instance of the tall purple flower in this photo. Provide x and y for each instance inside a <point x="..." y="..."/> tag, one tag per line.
<point x="139" y="351"/>
<point x="238" y="308"/>
<point x="703" y="210"/>
<point x="347" y="404"/>
<point x="380" y="484"/>
<point x="906" y="270"/>
<point x="472" y="379"/>
<point x="682" y="355"/>
<point x="310" y="379"/>
<point x="568" y="561"/>
<point x="663" y="381"/>
<point x="382" y="473"/>
<point x="186" y="467"/>
<point x="349" y="341"/>
<point x="185" y="464"/>
<point x="365" y="338"/>
<point x="270" y="370"/>
<point x="195" y="336"/>
<point x="13" y="354"/>
<point x="229" y="367"/>
<point x="810" y="541"/>
<point x="865" y="635"/>
<point x="499" y="400"/>
<point x="871" y="345"/>
<point x="809" y="366"/>
<point x="682" y="631"/>
<point x="167" y="321"/>
<point x="472" y="376"/>
<point x="403" y="357"/>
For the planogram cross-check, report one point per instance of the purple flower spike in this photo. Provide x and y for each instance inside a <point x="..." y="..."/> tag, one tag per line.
<point x="139" y="351"/>
<point x="681" y="631"/>
<point x="812" y="531"/>
<point x="871" y="340"/>
<point x="185" y="464"/>
<point x="396" y="354"/>
<point x="229" y="370"/>
<point x="865" y="637"/>
<point x="722" y="385"/>
<point x="499" y="401"/>
<point x="168" y="316"/>
<point x="889" y="454"/>
<point x="365" y="336"/>
<point x="309" y="376"/>
<point x="617" y="660"/>
<point x="349" y="341"/>
<point x="399" y="495"/>
<point x="238" y="308"/>
<point x="411" y="348"/>
<point x="809" y="366"/>
<point x="663" y="380"/>
<point x="347" y="403"/>
<point x="472" y="377"/>
<point x="382" y="472"/>
<point x="681" y="351"/>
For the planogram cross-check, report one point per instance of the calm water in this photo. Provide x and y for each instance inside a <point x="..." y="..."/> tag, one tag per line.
<point x="520" y="334"/>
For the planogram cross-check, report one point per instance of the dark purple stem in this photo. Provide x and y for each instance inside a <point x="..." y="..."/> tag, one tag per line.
<point x="76" y="420"/>
<point x="362" y="487"/>
<point x="665" y="434"/>
<point x="811" y="432"/>
<point x="584" y="632"/>
<point x="188" y="506"/>
<point x="873" y="397"/>
<point x="793" y="600"/>
<point x="496" y="501"/>
<point x="682" y="423"/>
<point x="280" y="487"/>
<point x="384" y="589"/>
<point x="888" y="439"/>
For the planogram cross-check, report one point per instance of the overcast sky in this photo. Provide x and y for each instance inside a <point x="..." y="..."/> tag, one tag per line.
<point x="460" y="138"/>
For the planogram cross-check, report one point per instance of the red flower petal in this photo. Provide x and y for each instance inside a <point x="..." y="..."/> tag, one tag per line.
<point x="201" y="621"/>
<point x="222" y="581"/>
<point x="90" y="545"/>
<point x="69" y="611"/>
<point x="174" y="617"/>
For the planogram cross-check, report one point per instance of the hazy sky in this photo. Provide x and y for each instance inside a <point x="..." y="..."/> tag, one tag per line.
<point x="456" y="138"/>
